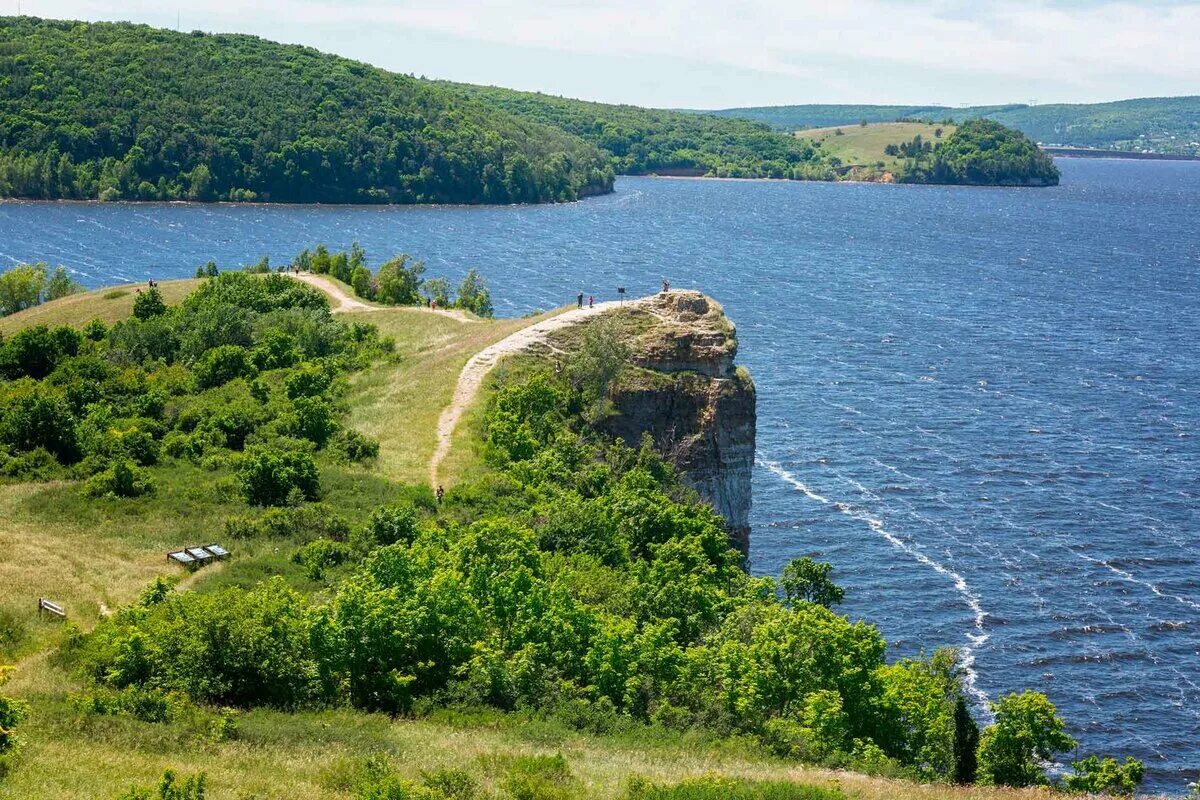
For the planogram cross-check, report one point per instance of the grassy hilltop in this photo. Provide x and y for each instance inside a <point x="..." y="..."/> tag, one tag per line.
<point x="568" y="623"/>
<point x="977" y="152"/>
<point x="1157" y="124"/>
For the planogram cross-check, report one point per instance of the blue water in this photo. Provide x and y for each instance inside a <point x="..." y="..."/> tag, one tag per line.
<point x="981" y="405"/>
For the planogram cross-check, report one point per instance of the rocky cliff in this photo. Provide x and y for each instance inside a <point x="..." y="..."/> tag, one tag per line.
<point x="696" y="404"/>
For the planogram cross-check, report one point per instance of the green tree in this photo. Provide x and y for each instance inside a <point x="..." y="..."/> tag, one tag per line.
<point x="474" y="296"/>
<point x="808" y="580"/>
<point x="21" y="287"/>
<point x="1108" y="776"/>
<point x="361" y="280"/>
<point x="222" y="364"/>
<point x="1027" y="733"/>
<point x="595" y="366"/>
<point x="61" y="284"/>
<point x="438" y="292"/>
<point x="399" y="281"/>
<point x="271" y="477"/>
<point x="149" y="303"/>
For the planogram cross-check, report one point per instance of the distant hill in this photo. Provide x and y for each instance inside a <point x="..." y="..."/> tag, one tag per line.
<point x="1159" y="124"/>
<point x="121" y="111"/>
<point x="975" y="152"/>
<point x="646" y="140"/>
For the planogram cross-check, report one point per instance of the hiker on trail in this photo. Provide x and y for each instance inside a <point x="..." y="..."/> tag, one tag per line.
<point x="579" y="300"/>
<point x="666" y="286"/>
<point x="440" y="493"/>
<point x="591" y="301"/>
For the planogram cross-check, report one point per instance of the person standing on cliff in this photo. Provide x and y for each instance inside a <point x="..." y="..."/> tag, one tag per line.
<point x="591" y="301"/>
<point x="666" y="286"/>
<point x="579" y="300"/>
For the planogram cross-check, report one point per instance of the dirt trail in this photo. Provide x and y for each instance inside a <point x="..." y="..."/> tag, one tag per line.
<point x="472" y="375"/>
<point x="343" y="302"/>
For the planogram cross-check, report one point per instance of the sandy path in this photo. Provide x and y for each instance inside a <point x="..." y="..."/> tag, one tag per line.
<point x="344" y="302"/>
<point x="472" y="375"/>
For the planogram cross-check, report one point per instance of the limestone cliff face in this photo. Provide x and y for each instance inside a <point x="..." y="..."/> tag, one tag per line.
<point x="690" y="397"/>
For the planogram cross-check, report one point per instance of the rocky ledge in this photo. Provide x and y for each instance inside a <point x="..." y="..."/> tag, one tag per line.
<point x="687" y="393"/>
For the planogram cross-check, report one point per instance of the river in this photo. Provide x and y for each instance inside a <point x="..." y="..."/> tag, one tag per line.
<point x="980" y="404"/>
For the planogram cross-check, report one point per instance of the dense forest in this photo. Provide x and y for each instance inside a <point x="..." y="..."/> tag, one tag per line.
<point x="979" y="152"/>
<point x="1161" y="124"/>
<point x="120" y="111"/>
<point x="643" y="140"/>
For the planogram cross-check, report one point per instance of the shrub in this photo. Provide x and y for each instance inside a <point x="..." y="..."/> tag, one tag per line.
<point x="149" y="303"/>
<point x="311" y="418"/>
<point x="95" y="330"/>
<point x="231" y="647"/>
<point x="318" y="555"/>
<point x="222" y="364"/>
<point x="305" y="523"/>
<point x="271" y="477"/>
<point x="122" y="479"/>
<point x="355" y="447"/>
<point x="308" y="380"/>
<point x="170" y="788"/>
<point x="12" y="712"/>
<point x="540" y="778"/>
<point x="35" y="352"/>
<point x="277" y="350"/>
<point x="392" y="524"/>
<point x="1095" y="776"/>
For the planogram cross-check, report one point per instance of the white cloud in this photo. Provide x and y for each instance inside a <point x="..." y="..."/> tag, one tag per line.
<point x="1080" y="46"/>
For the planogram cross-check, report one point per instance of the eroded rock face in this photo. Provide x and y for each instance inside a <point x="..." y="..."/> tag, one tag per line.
<point x="693" y="401"/>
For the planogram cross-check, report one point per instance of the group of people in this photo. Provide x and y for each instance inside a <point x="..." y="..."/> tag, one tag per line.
<point x="591" y="300"/>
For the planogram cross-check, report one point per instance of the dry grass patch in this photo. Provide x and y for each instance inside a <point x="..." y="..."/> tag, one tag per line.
<point x="110" y="304"/>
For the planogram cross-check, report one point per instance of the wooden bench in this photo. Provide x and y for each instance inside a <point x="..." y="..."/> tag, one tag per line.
<point x="52" y="608"/>
<point x="197" y="556"/>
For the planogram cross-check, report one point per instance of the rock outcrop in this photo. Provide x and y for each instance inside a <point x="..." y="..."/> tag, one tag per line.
<point x="690" y="397"/>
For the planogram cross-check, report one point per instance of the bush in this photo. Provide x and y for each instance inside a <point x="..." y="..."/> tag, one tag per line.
<point x="232" y="647"/>
<point x="222" y="364"/>
<point x="303" y="523"/>
<point x="12" y="712"/>
<point x="122" y="479"/>
<point x="271" y="477"/>
<point x="170" y="788"/>
<point x="355" y="447"/>
<point x="149" y="303"/>
<point x="318" y="555"/>
<point x="1095" y="776"/>
<point x="540" y="778"/>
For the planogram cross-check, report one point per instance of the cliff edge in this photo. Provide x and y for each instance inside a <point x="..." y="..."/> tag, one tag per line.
<point x="686" y="392"/>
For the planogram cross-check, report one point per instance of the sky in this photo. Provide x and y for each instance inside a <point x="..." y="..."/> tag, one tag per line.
<point x="693" y="54"/>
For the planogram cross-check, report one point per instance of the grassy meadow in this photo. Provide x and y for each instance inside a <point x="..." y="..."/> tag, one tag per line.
<point x="859" y="145"/>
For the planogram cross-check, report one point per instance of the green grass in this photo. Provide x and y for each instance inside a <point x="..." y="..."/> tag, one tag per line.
<point x="108" y="305"/>
<point x="399" y="403"/>
<point x="863" y="146"/>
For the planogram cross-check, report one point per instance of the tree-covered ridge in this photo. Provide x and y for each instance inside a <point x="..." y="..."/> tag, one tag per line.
<point x="645" y="140"/>
<point x="982" y="152"/>
<point x="121" y="111"/>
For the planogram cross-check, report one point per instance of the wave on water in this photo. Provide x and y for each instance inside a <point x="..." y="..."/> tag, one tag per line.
<point x="977" y="637"/>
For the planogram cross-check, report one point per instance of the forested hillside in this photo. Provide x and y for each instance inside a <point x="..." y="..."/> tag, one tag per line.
<point x="1159" y="124"/>
<point x="646" y="140"/>
<point x="120" y="111"/>
<point x="982" y="152"/>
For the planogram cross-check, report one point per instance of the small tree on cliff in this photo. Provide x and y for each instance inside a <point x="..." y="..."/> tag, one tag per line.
<point x="595" y="367"/>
